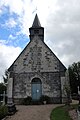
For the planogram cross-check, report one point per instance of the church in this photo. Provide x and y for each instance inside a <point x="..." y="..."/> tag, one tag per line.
<point x="37" y="71"/>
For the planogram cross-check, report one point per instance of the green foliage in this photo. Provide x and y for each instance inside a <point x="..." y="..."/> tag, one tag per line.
<point x="75" y="96"/>
<point x="68" y="91"/>
<point x="45" y="98"/>
<point x="75" y="106"/>
<point x="0" y="103"/>
<point x="27" y="101"/>
<point x="74" y="76"/>
<point x="60" y="113"/>
<point x="2" y="88"/>
<point x="5" y="78"/>
<point x="3" y="111"/>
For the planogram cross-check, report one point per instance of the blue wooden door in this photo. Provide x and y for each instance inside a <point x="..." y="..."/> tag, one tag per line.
<point x="36" y="88"/>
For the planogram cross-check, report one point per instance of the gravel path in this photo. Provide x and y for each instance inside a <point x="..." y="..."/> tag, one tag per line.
<point x="39" y="112"/>
<point x="73" y="114"/>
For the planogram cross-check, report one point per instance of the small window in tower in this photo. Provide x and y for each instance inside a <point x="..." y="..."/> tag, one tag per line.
<point x="36" y="31"/>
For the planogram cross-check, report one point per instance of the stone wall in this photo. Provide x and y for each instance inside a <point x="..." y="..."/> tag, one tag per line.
<point x="37" y="60"/>
<point x="51" y="85"/>
<point x="36" y="57"/>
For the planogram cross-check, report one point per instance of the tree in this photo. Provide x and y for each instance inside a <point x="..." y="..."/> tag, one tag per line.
<point x="5" y="78"/>
<point x="2" y="88"/>
<point x="74" y="76"/>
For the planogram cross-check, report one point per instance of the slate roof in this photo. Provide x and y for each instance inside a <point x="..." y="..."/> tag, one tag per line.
<point x="36" y="22"/>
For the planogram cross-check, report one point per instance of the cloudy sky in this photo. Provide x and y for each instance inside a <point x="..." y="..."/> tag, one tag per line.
<point x="60" y="18"/>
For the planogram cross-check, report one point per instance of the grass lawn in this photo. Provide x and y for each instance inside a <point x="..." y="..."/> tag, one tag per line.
<point x="61" y="113"/>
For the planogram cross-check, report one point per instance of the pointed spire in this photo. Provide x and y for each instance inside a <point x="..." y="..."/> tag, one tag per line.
<point x="36" y="22"/>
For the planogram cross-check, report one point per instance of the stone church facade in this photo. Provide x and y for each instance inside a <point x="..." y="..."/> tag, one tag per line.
<point x="37" y="71"/>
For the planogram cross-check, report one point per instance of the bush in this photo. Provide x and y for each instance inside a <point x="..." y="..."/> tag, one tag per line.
<point x="3" y="111"/>
<point x="0" y="103"/>
<point x="75" y="96"/>
<point x="45" y="98"/>
<point x="27" y="101"/>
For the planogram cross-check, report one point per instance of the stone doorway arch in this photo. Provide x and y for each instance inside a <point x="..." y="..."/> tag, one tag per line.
<point x="36" y="89"/>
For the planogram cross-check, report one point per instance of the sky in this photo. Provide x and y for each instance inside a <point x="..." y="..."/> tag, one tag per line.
<point x="61" y="22"/>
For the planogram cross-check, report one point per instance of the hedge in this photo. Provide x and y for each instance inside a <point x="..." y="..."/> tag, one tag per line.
<point x="3" y="111"/>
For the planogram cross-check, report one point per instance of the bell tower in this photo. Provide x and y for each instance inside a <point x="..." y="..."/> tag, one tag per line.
<point x="36" y="29"/>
